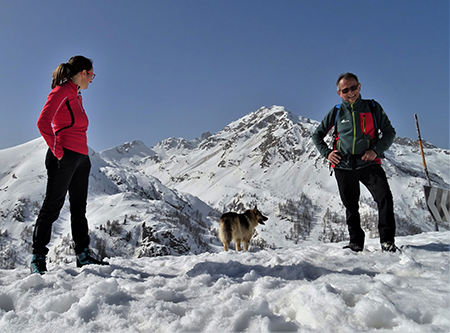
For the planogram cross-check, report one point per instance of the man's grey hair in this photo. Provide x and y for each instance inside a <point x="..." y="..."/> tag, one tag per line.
<point x="346" y="76"/>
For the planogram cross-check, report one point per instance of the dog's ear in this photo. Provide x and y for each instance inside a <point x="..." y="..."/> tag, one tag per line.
<point x="256" y="208"/>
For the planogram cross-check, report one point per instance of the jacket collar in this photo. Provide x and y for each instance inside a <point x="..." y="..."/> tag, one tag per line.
<point x="355" y="105"/>
<point x="72" y="86"/>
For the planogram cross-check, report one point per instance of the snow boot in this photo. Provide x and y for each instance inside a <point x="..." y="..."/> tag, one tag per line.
<point x="85" y="258"/>
<point x="38" y="264"/>
<point x="353" y="247"/>
<point x="388" y="247"/>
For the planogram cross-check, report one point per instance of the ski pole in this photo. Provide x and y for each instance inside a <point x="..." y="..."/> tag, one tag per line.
<point x="421" y="150"/>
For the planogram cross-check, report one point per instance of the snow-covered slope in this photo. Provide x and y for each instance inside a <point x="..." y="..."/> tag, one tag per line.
<point x="130" y="214"/>
<point x="305" y="288"/>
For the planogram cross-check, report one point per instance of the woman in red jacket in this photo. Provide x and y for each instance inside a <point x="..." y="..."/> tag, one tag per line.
<point x="63" y="124"/>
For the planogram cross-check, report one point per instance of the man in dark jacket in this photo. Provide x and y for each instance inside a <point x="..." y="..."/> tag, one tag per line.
<point x="363" y="132"/>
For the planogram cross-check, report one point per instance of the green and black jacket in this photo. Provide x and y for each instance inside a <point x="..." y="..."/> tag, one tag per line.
<point x="356" y="132"/>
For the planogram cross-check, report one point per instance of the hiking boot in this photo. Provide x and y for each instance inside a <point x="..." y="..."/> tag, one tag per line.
<point x="388" y="247"/>
<point x="38" y="264"/>
<point x="353" y="247"/>
<point x="86" y="258"/>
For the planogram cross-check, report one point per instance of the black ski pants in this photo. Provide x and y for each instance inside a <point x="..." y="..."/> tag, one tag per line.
<point x="374" y="178"/>
<point x="70" y="174"/>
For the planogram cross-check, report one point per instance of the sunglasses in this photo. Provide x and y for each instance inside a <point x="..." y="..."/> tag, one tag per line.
<point x="352" y="88"/>
<point x="92" y="74"/>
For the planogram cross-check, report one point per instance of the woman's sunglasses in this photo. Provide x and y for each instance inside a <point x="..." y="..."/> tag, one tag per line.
<point x="92" y="75"/>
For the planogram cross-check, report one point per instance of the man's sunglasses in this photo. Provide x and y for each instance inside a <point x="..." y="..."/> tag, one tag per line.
<point x="352" y="88"/>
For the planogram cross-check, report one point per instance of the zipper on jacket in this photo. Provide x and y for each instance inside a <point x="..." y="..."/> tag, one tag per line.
<point x="365" y="130"/>
<point x="354" y="131"/>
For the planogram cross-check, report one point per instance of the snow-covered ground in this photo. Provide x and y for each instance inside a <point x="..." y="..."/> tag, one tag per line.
<point x="308" y="288"/>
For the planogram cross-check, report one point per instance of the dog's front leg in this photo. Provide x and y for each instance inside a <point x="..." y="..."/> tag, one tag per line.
<point x="238" y="246"/>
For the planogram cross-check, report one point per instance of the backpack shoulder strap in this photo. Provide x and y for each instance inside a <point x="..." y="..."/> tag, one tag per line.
<point x="373" y="107"/>
<point x="337" y="107"/>
<point x="336" y="110"/>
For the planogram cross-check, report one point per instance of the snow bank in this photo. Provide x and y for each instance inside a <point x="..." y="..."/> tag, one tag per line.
<point x="309" y="288"/>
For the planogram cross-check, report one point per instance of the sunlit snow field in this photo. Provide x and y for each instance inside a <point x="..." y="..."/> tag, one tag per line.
<point x="310" y="288"/>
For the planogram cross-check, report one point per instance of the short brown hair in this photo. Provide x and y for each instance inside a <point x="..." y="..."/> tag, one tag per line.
<point x="346" y="76"/>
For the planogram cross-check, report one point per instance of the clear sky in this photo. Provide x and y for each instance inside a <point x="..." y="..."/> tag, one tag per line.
<point x="178" y="68"/>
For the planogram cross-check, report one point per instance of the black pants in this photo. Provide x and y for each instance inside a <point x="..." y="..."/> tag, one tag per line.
<point x="70" y="174"/>
<point x="374" y="178"/>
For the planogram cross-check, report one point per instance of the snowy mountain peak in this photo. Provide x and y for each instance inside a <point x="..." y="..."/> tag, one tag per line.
<point x="129" y="149"/>
<point x="262" y="118"/>
<point x="178" y="144"/>
<point x="130" y="153"/>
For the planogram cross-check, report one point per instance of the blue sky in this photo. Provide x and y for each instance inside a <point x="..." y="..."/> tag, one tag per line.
<point x="178" y="68"/>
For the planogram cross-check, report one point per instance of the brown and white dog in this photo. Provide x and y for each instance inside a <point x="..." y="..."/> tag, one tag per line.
<point x="239" y="227"/>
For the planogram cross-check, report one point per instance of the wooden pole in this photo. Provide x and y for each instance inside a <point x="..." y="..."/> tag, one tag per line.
<point x="421" y="151"/>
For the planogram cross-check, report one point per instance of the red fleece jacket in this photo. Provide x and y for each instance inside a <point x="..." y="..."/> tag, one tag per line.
<point x="63" y="122"/>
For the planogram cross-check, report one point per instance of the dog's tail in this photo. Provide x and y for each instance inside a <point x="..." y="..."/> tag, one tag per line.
<point x="225" y="231"/>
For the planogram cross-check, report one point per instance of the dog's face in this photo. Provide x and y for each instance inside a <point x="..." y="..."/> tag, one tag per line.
<point x="259" y="216"/>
